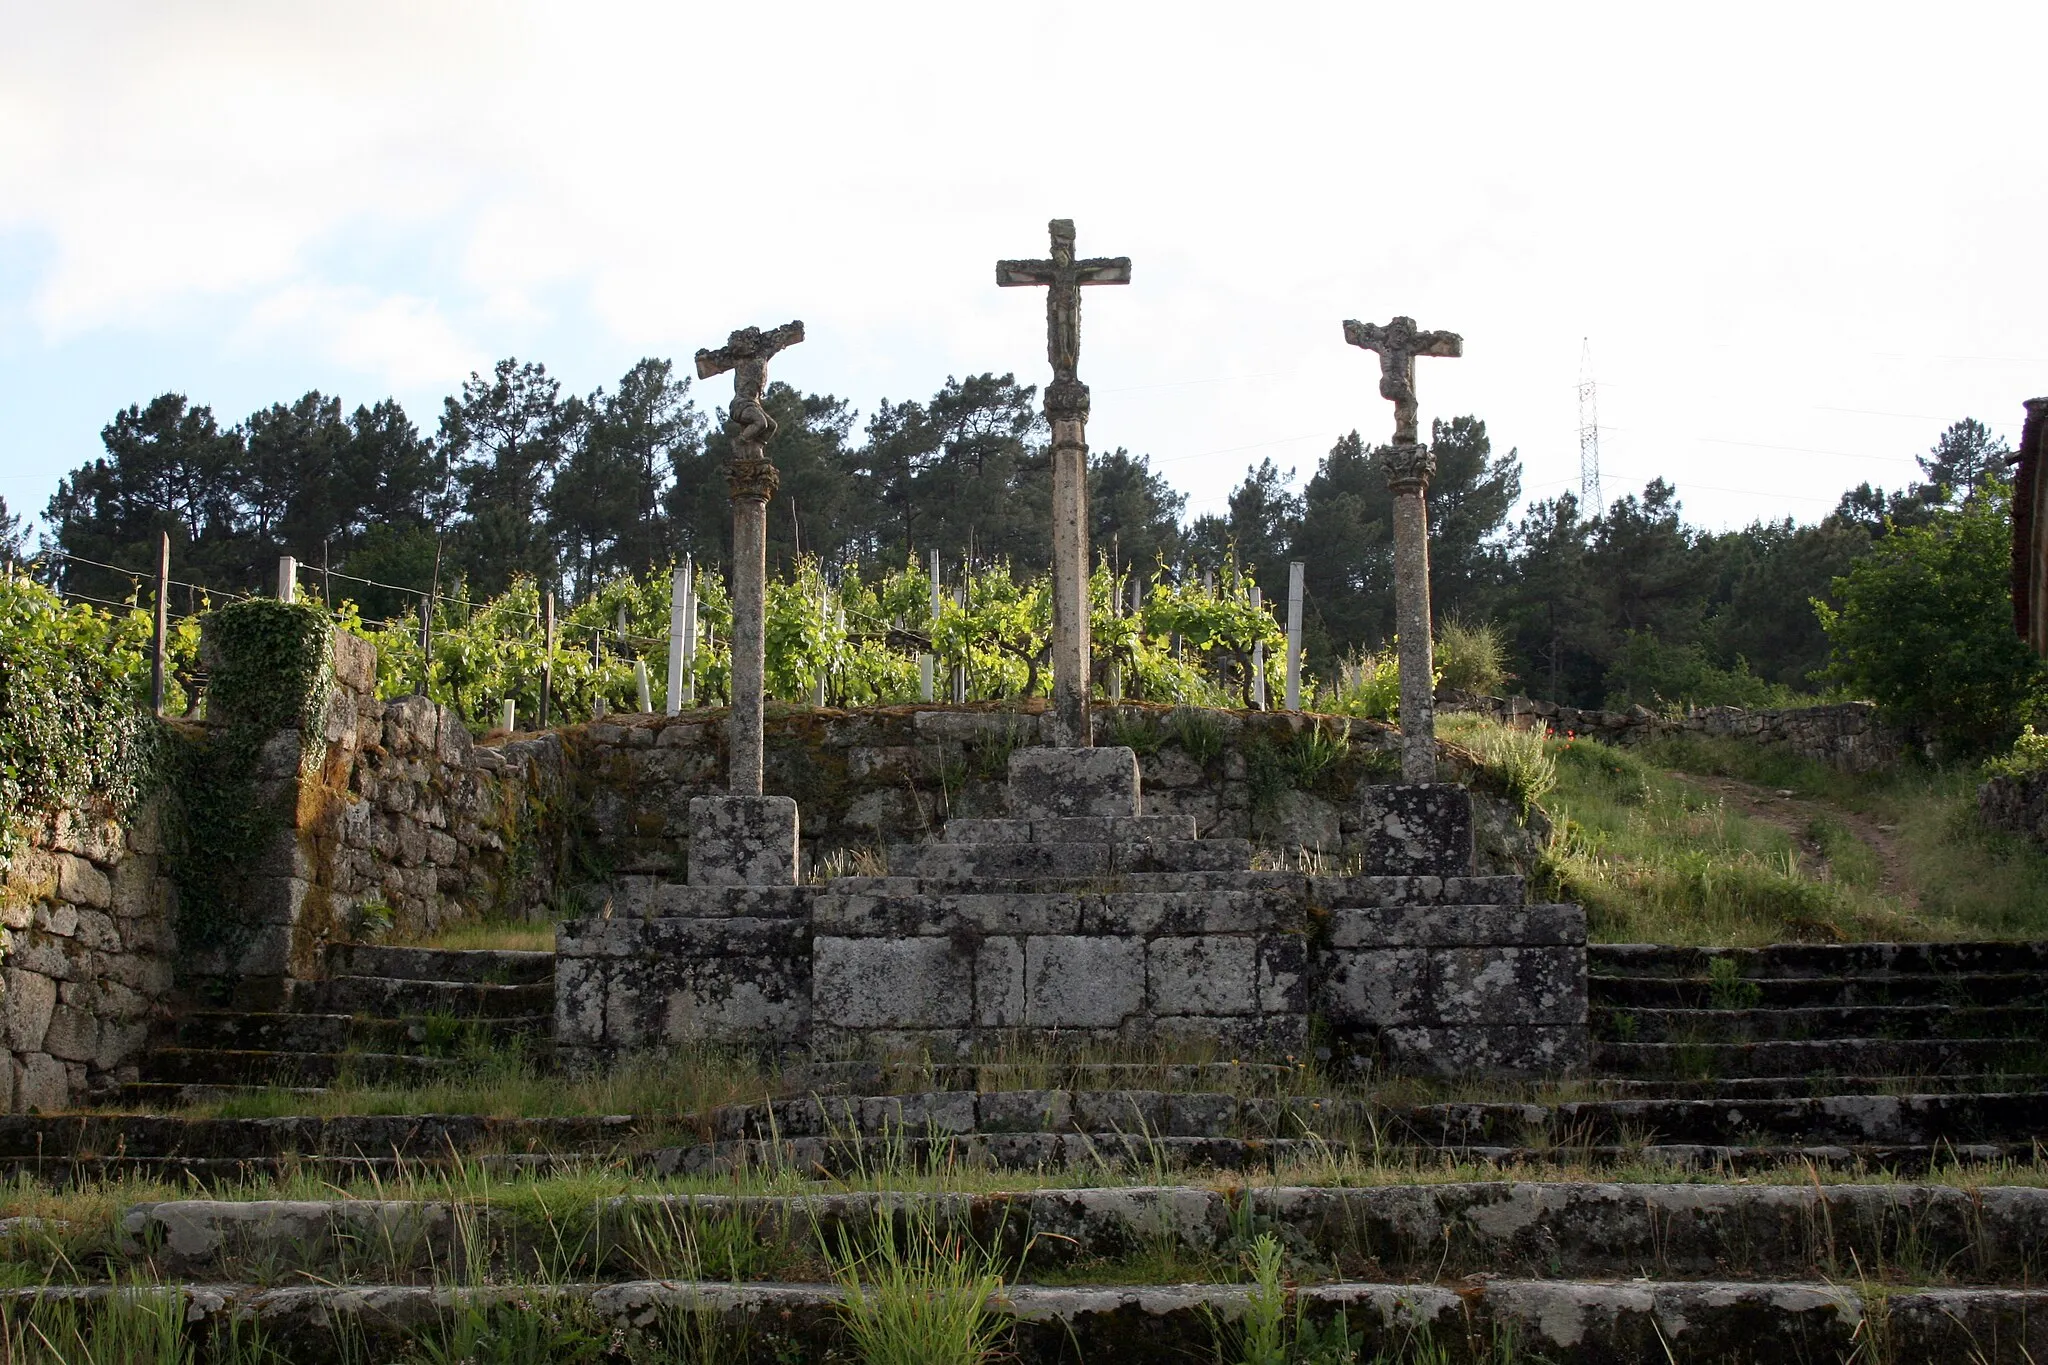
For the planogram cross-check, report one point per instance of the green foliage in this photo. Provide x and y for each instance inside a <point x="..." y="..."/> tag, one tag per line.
<point x="1925" y="629"/>
<point x="271" y="675"/>
<point x="1666" y="677"/>
<point x="919" y="1294"/>
<point x="1471" y="657"/>
<point x="75" y="731"/>
<point x="1369" y="686"/>
<point x="2028" y="755"/>
<point x="1520" y="762"/>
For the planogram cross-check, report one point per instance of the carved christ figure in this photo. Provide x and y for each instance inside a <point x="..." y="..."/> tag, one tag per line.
<point x="1397" y="344"/>
<point x="747" y="353"/>
<point x="1064" y="276"/>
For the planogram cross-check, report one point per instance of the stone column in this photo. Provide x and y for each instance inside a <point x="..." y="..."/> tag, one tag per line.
<point x="1066" y="407"/>
<point x="1409" y="468"/>
<point x="753" y="482"/>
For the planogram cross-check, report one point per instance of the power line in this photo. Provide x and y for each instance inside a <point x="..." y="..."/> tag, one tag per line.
<point x="1589" y="430"/>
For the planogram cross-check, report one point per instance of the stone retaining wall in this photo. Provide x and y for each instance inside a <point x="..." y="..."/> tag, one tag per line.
<point x="2017" y="805"/>
<point x="86" y="939"/>
<point x="866" y="779"/>
<point x="1846" y="735"/>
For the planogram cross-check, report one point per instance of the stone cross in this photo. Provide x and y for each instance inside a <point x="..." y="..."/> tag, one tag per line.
<point x="752" y="480"/>
<point x="1066" y="408"/>
<point x="1409" y="467"/>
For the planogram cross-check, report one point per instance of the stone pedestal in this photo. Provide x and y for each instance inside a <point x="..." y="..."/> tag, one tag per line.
<point x="743" y="841"/>
<point x="1418" y="829"/>
<point x="1048" y="784"/>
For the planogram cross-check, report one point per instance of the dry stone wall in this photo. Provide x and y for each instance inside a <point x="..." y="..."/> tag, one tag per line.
<point x="86" y="948"/>
<point x="867" y="779"/>
<point x="1846" y="735"/>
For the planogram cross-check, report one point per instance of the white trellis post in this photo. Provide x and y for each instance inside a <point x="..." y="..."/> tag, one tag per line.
<point x="927" y="663"/>
<point x="1258" y="656"/>
<point x="509" y="720"/>
<point x="1294" y="588"/>
<point x="824" y="625"/>
<point x="287" y="578"/>
<point x="690" y="632"/>
<point x="678" y="626"/>
<point x="646" y="698"/>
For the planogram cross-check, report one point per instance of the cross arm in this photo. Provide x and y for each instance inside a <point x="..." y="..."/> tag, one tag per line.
<point x="1095" y="270"/>
<point x="749" y="343"/>
<point x="1373" y="337"/>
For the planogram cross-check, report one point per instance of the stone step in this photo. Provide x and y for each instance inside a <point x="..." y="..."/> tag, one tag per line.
<point x="1073" y="829"/>
<point x="181" y="1066"/>
<point x="1817" y="1086"/>
<point x="1597" y="1322"/>
<point x="232" y="1173"/>
<point x="431" y="1035"/>
<point x="32" y="1137"/>
<point x="1821" y="960"/>
<point x="1124" y="1154"/>
<point x="648" y="897"/>
<point x="1052" y="1073"/>
<point x="1804" y="992"/>
<point x="1325" y="892"/>
<point x="1822" y="1057"/>
<point x="1062" y="1154"/>
<point x="398" y="997"/>
<point x="168" y="1095"/>
<point x="1432" y="1231"/>
<point x="973" y="862"/>
<point x="1825" y="1120"/>
<point x="1855" y="1022"/>
<point x="485" y="966"/>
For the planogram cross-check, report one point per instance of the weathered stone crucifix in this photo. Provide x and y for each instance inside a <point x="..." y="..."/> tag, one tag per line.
<point x="1410" y="464"/>
<point x="752" y="480"/>
<point x="1066" y="408"/>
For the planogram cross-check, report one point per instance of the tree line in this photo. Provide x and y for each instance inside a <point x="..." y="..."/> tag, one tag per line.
<point x="1616" y="605"/>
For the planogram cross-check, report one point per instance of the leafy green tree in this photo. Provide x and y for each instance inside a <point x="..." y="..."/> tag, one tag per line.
<point x="13" y="539"/>
<point x="606" y="508"/>
<point x="1770" y="574"/>
<point x="1134" y="514"/>
<point x="1965" y="460"/>
<point x="1925" y="628"/>
<point x="1553" y="622"/>
<point x="1345" y="534"/>
<point x="168" y="468"/>
<point x="502" y="441"/>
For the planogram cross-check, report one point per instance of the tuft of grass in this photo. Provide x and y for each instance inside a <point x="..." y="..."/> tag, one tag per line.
<point x="1519" y="761"/>
<point x="536" y="936"/>
<point x="918" y="1293"/>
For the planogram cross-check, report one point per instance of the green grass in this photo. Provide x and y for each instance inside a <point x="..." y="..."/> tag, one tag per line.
<point x="533" y="936"/>
<point x="1657" y="859"/>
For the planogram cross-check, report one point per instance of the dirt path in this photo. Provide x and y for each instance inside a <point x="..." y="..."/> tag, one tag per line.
<point x="1794" y="814"/>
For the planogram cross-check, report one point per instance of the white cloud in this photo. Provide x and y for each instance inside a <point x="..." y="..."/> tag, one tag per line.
<point x="1741" y="204"/>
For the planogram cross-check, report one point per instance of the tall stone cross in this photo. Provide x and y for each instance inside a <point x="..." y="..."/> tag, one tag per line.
<point x="1409" y="467"/>
<point x="752" y="480"/>
<point x="1066" y="408"/>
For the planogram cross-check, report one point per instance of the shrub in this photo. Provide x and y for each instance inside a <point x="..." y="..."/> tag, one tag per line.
<point x="74" y="692"/>
<point x="1925" y="628"/>
<point x="1471" y="658"/>
<point x="2028" y="755"/>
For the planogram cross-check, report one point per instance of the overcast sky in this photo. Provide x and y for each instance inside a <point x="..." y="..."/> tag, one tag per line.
<point x="1802" y="238"/>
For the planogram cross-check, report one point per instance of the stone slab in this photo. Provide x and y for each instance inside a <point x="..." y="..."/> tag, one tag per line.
<point x="1050" y="783"/>
<point x="743" y="841"/>
<point x="1457" y="926"/>
<point x="1412" y="828"/>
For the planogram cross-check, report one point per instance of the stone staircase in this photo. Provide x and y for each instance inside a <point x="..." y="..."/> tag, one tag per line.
<point x="382" y="1014"/>
<point x="1799" y="1020"/>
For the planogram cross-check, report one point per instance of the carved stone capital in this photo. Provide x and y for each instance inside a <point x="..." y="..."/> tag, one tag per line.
<point x="1066" y="400"/>
<point x="752" y="478"/>
<point x="1410" y="467"/>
